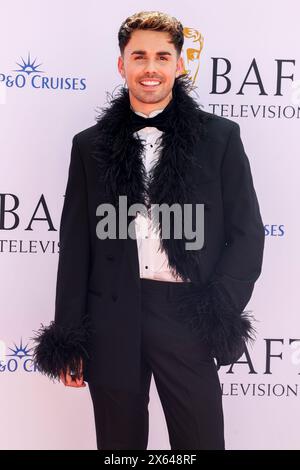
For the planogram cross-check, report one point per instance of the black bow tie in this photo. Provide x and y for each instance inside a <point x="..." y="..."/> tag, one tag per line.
<point x="161" y="121"/>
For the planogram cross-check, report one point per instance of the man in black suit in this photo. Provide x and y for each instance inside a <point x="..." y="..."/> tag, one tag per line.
<point x="129" y="306"/>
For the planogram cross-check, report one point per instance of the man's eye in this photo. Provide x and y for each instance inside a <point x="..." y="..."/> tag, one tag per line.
<point x="142" y="57"/>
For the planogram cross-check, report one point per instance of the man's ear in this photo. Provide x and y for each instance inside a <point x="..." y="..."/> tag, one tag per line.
<point x="180" y="66"/>
<point x="121" y="66"/>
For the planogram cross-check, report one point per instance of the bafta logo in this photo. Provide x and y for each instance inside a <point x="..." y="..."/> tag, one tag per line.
<point x="191" y="50"/>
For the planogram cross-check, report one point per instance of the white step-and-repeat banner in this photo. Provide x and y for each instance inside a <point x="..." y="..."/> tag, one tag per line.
<point x="57" y="61"/>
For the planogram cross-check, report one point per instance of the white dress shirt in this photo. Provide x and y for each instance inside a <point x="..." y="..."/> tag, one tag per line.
<point x="153" y="262"/>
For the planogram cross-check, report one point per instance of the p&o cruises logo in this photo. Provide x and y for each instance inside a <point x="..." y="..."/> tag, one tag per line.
<point x="19" y="358"/>
<point x="29" y="74"/>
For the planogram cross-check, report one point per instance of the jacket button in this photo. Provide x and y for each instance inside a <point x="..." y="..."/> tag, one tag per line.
<point x="110" y="258"/>
<point x="114" y="297"/>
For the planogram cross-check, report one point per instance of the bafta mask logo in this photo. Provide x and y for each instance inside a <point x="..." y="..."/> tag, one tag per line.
<point x="191" y="50"/>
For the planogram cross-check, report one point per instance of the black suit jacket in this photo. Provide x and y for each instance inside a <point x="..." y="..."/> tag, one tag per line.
<point x="97" y="308"/>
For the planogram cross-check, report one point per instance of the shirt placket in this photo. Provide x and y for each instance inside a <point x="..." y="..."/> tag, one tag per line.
<point x="147" y="245"/>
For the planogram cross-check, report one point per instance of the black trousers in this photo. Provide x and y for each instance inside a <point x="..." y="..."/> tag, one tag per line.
<point x="186" y="379"/>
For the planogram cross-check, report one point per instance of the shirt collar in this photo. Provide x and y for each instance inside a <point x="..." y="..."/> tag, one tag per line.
<point x="152" y="114"/>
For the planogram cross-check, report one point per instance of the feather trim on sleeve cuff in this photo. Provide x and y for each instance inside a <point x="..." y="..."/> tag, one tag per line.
<point x="210" y="312"/>
<point x="60" y="348"/>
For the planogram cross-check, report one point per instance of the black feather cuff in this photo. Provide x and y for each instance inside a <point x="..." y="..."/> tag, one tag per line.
<point x="59" y="348"/>
<point x="210" y="312"/>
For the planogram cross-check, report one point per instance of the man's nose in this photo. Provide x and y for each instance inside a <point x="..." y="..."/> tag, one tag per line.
<point x="150" y="67"/>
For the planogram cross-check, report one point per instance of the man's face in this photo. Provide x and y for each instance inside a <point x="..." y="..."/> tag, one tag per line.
<point x="150" y="65"/>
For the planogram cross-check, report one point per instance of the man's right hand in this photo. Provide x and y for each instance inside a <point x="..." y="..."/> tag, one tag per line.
<point x="70" y="381"/>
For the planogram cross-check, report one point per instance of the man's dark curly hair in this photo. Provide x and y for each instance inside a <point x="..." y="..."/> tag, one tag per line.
<point x="155" y="21"/>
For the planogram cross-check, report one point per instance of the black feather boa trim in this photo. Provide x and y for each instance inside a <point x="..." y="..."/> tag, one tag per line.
<point x="61" y="348"/>
<point x="210" y="312"/>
